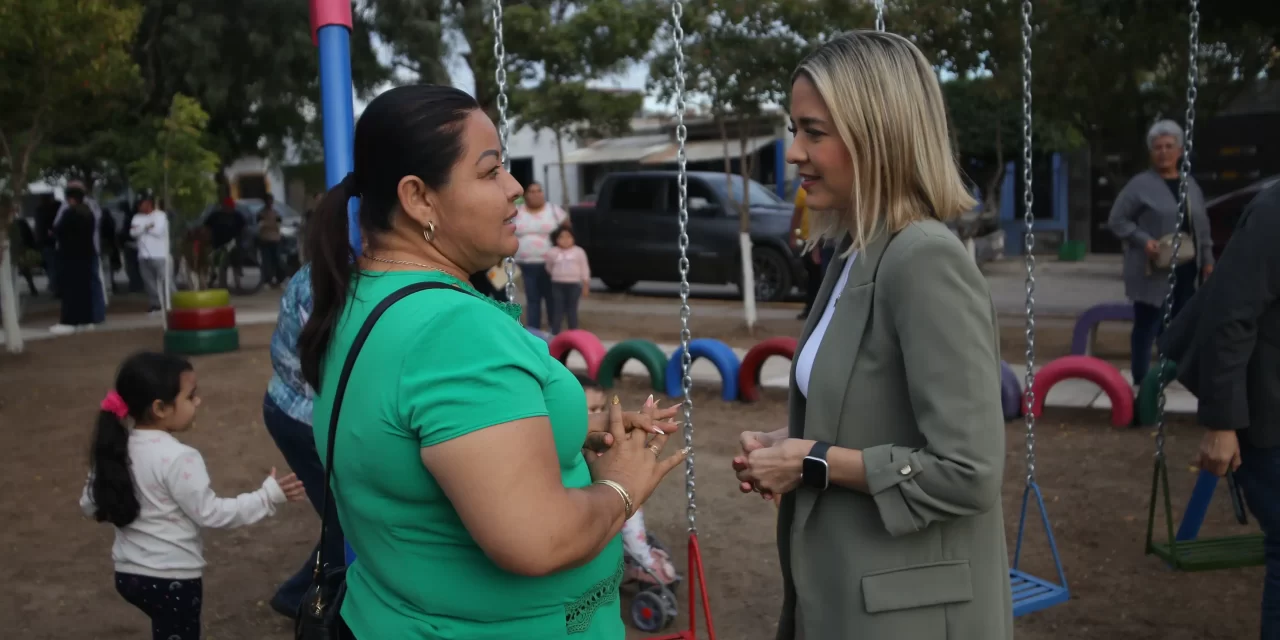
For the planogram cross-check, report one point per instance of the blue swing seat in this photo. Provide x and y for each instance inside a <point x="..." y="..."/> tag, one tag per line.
<point x="1031" y="594"/>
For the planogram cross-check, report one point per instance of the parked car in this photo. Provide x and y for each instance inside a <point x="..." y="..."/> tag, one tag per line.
<point x="631" y="232"/>
<point x="1225" y="211"/>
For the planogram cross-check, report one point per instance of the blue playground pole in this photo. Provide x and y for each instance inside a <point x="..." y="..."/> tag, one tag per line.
<point x="1197" y="507"/>
<point x="331" y="23"/>
<point x="331" y="32"/>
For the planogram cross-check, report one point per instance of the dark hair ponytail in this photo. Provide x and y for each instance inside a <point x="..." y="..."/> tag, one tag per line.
<point x="414" y="130"/>
<point x="332" y="267"/>
<point x="143" y="379"/>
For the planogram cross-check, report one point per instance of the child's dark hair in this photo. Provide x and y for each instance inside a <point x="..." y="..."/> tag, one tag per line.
<point x="143" y="379"/>
<point x="560" y="230"/>
<point x="587" y="383"/>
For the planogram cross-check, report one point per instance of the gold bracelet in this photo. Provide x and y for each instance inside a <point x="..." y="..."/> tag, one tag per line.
<point x="626" y="497"/>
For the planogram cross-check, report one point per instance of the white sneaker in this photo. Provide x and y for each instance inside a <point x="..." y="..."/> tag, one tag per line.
<point x="62" y="329"/>
<point x="85" y="327"/>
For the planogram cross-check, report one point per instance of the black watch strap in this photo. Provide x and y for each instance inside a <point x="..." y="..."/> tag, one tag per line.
<point x="819" y="450"/>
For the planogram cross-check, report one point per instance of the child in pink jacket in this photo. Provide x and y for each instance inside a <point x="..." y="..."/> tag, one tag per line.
<point x="570" y="278"/>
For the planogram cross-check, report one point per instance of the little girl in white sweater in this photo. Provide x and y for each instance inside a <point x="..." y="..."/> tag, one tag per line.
<point x="156" y="492"/>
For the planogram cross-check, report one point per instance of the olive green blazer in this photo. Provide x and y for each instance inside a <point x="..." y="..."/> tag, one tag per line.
<point x="908" y="372"/>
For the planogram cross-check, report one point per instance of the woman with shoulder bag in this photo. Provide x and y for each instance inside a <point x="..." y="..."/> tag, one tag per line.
<point x="454" y="441"/>
<point x="1144" y="217"/>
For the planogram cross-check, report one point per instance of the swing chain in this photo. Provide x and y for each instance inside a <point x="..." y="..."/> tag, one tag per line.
<point x="500" y="75"/>
<point x="1029" y="243"/>
<point x="879" y="15"/>
<point x="1184" y="178"/>
<point x="682" y="181"/>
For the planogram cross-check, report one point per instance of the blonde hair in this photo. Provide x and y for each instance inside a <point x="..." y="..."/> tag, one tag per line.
<point x="887" y="107"/>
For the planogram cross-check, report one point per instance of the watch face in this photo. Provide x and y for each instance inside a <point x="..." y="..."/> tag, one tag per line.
<point x="814" y="472"/>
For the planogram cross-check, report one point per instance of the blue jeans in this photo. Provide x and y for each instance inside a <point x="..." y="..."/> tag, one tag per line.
<point x="269" y="263"/>
<point x="1259" y="478"/>
<point x="298" y="445"/>
<point x="537" y="291"/>
<point x="1148" y="325"/>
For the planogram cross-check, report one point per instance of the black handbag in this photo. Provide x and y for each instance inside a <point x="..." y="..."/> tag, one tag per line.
<point x="318" y="617"/>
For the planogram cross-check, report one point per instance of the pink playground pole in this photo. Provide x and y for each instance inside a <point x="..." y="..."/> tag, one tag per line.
<point x="331" y="33"/>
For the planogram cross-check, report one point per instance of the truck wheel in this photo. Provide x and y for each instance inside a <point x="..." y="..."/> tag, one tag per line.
<point x="772" y="273"/>
<point x="618" y="286"/>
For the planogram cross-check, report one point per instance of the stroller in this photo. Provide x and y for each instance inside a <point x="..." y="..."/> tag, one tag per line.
<point x="653" y="608"/>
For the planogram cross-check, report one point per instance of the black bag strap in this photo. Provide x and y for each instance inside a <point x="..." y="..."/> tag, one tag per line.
<point x="347" y="366"/>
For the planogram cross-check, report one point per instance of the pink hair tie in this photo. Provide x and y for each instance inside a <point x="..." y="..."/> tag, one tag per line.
<point x="115" y="405"/>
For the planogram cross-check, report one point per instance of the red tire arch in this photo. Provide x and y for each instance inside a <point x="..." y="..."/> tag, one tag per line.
<point x="584" y="342"/>
<point x="753" y="363"/>
<point x="1094" y="370"/>
<point x="202" y="319"/>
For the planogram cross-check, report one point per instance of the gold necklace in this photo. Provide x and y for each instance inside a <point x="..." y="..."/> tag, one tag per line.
<point x="408" y="263"/>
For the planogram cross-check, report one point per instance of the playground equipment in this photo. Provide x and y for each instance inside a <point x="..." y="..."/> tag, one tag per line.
<point x="1099" y="372"/>
<point x="1147" y="405"/>
<point x="585" y="343"/>
<point x="1030" y="593"/>
<point x="1184" y="552"/>
<point x="1010" y="392"/>
<point x="696" y="573"/>
<point x="201" y="322"/>
<point x="719" y="353"/>
<point x="1086" y="328"/>
<point x="649" y="355"/>
<point x="753" y="362"/>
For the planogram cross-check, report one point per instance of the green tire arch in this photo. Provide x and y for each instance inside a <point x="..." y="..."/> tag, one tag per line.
<point x="649" y="355"/>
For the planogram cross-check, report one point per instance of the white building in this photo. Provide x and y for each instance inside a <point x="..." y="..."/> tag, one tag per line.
<point x="534" y="159"/>
<point x="254" y="176"/>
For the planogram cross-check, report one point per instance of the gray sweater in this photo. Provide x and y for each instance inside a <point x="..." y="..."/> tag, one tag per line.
<point x="1146" y="209"/>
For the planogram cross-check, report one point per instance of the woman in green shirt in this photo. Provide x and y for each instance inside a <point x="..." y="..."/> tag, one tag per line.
<point x="458" y="471"/>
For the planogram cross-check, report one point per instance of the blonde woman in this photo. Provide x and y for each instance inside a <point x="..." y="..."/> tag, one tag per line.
<point x="889" y="472"/>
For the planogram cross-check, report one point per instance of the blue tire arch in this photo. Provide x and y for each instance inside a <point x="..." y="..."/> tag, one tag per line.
<point x="720" y="354"/>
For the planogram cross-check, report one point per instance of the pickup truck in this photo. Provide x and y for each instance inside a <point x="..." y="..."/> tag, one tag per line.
<point x="631" y="233"/>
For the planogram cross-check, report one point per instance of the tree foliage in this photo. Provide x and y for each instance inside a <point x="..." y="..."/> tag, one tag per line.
<point x="415" y="32"/>
<point x="178" y="167"/>
<point x="56" y="57"/>
<point x="557" y="50"/>
<point x="1103" y="70"/>
<point x="251" y="64"/>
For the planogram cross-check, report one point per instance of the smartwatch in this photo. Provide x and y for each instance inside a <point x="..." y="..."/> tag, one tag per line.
<point x="814" y="472"/>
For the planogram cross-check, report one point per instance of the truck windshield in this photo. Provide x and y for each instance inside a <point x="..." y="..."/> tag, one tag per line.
<point x="759" y="193"/>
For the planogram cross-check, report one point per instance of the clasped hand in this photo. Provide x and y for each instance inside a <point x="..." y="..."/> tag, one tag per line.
<point x="770" y="465"/>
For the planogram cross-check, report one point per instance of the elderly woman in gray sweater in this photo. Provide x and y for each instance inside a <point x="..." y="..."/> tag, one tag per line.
<point x="1145" y="212"/>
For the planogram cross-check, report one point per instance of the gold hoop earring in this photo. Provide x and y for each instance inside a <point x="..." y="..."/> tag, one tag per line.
<point x="429" y="232"/>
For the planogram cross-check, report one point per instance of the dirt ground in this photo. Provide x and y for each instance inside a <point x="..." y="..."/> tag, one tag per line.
<point x="1095" y="481"/>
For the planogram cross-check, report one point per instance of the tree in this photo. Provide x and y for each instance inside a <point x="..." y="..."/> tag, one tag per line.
<point x="570" y="44"/>
<point x="56" y="56"/>
<point x="250" y="64"/>
<point x="178" y="166"/>
<point x="415" y="32"/>
<point x="737" y="56"/>
<point x="1141" y="45"/>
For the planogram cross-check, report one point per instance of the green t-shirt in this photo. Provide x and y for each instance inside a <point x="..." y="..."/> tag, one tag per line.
<point x="441" y="364"/>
